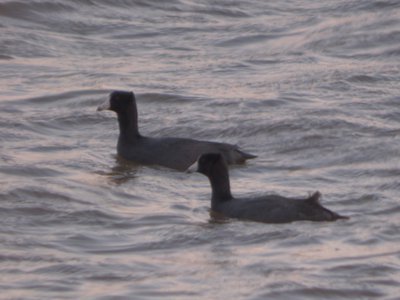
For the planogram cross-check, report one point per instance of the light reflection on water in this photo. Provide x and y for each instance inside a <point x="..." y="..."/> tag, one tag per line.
<point x="311" y="88"/>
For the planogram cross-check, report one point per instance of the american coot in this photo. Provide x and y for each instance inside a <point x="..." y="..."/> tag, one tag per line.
<point x="170" y="152"/>
<point x="268" y="209"/>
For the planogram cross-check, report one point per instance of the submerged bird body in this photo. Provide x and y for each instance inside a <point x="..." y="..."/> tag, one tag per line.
<point x="155" y="151"/>
<point x="276" y="209"/>
<point x="170" y="152"/>
<point x="267" y="209"/>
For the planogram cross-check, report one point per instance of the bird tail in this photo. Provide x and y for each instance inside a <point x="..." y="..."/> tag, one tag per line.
<point x="315" y="200"/>
<point x="246" y="155"/>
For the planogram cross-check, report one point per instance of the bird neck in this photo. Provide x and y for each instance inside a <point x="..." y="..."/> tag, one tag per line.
<point x="221" y="190"/>
<point x="128" y="123"/>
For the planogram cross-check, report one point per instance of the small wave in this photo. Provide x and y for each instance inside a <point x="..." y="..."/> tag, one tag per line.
<point x="376" y="5"/>
<point x="365" y="78"/>
<point x="166" y="98"/>
<point x="66" y="97"/>
<point x="222" y="11"/>
<point x="6" y="57"/>
<point x="52" y="114"/>
<point x="19" y="258"/>
<point x="323" y="293"/>
<point x="31" y="171"/>
<point x="247" y="39"/>
<point x="30" y="9"/>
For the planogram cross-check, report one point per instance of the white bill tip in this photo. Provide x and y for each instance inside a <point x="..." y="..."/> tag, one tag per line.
<point x="104" y="106"/>
<point x="193" y="168"/>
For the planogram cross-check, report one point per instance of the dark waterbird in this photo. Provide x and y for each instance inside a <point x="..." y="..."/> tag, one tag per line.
<point x="267" y="209"/>
<point x="170" y="152"/>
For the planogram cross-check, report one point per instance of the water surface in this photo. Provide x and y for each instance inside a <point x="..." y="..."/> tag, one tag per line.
<point x="311" y="88"/>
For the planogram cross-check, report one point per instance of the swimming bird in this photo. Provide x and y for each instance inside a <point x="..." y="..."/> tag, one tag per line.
<point x="171" y="152"/>
<point x="267" y="209"/>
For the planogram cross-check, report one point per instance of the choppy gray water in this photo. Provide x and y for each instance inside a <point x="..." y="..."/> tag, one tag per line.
<point x="311" y="87"/>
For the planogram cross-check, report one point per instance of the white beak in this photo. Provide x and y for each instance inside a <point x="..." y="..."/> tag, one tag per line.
<point x="104" y="106"/>
<point x="193" y="168"/>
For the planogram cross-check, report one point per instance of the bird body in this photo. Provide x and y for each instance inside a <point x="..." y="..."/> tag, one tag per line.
<point x="267" y="209"/>
<point x="171" y="152"/>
